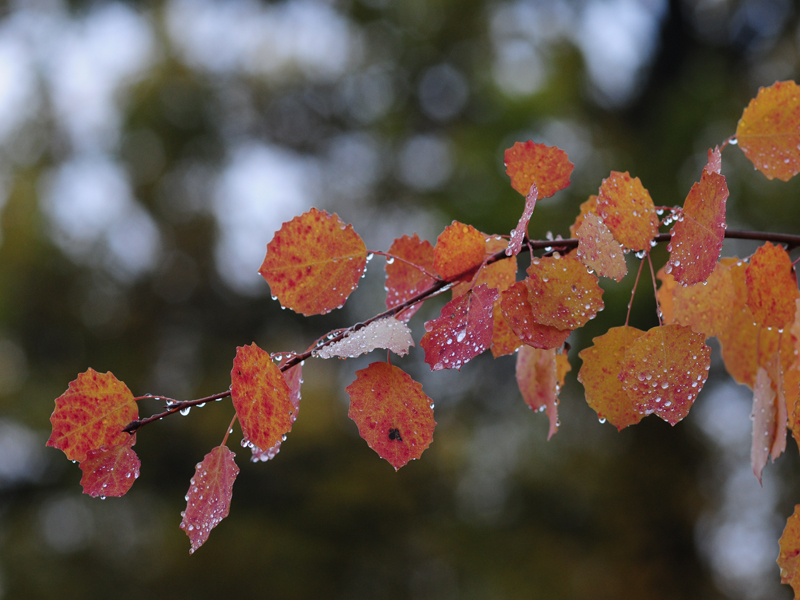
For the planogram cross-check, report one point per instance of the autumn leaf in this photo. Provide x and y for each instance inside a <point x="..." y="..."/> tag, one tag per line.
<point x="404" y="280"/>
<point x="386" y="333"/>
<point x="392" y="413"/>
<point x="789" y="558"/>
<point x="519" y="232"/>
<point x="209" y="495"/>
<point x="110" y="470"/>
<point x="706" y="307"/>
<point x="314" y="262"/>
<point x="539" y="381"/>
<point x="462" y="331"/>
<point x="294" y="380"/>
<point x="498" y="275"/>
<point x="260" y="397"/>
<point x="746" y="345"/>
<point x="563" y="294"/>
<point x="628" y="211"/>
<point x="516" y="306"/>
<point x="666" y="296"/>
<point x="763" y="418"/>
<point x="664" y="370"/>
<point x="599" y="374"/>
<point x="458" y="249"/>
<point x="504" y="340"/>
<point x="697" y="237"/>
<point x="590" y="206"/>
<point x="771" y="287"/>
<point x="546" y="166"/>
<point x="91" y="414"/>
<point x="776" y="375"/>
<point x="598" y="250"/>
<point x="769" y="130"/>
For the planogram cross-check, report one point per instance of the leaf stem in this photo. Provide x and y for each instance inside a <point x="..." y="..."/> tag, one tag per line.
<point x="633" y="291"/>
<point x="655" y="288"/>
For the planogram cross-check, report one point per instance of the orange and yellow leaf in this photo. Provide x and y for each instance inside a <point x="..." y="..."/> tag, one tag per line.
<point x="531" y="163"/>
<point x="772" y="287"/>
<point x="459" y="248"/>
<point x="516" y="306"/>
<point x="628" y="211"/>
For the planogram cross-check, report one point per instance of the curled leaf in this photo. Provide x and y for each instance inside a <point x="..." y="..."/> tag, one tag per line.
<point x="314" y="262"/>
<point x="763" y="417"/>
<point x="386" y="333"/>
<point x="539" y="381"/>
<point x="519" y="232"/>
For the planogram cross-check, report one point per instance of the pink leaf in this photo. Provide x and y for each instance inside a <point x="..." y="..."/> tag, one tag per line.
<point x="110" y="470"/>
<point x="763" y="422"/>
<point x="515" y="245"/>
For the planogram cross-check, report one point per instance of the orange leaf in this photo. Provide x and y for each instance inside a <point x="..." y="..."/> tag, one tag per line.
<point x="91" y="414"/>
<point x="517" y="310"/>
<point x="498" y="275"/>
<point x="404" y="281"/>
<point x="745" y="345"/>
<point x="294" y="379"/>
<point x="590" y="206"/>
<point x="504" y="340"/>
<point x="392" y="413"/>
<point x="538" y="381"/>
<point x="314" y="262"/>
<point x="110" y="471"/>
<point x="772" y="287"/>
<point x="602" y="365"/>
<point x="462" y="331"/>
<point x="519" y="232"/>
<point x="563" y="294"/>
<point x="530" y="163"/>
<point x="598" y="250"/>
<point x="697" y="237"/>
<point x="706" y="307"/>
<point x="763" y="422"/>
<point x="209" y="495"/>
<point x="628" y="211"/>
<point x="664" y="370"/>
<point x="789" y="558"/>
<point x="769" y="130"/>
<point x="458" y="249"/>
<point x="791" y="390"/>
<point x="666" y="296"/>
<point x="260" y="397"/>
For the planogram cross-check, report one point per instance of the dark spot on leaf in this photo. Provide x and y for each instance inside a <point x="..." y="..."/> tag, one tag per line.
<point x="394" y="434"/>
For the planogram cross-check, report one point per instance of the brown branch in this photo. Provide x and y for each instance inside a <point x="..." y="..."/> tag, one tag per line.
<point x="436" y="288"/>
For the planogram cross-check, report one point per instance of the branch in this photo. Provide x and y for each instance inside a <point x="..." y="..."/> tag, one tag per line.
<point x="436" y="288"/>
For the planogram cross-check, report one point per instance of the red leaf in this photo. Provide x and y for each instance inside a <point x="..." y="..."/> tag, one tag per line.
<point x="260" y="397"/>
<point x="209" y="495"/>
<point x="772" y="287"/>
<point x="600" y="376"/>
<point x="392" y="413"/>
<point x="769" y="130"/>
<point x="314" y="262"/>
<point x="517" y="234"/>
<point x="562" y="293"/>
<point x="91" y="414"/>
<point x="598" y="250"/>
<point x="294" y="379"/>
<point x="404" y="281"/>
<point x="628" y="211"/>
<point x="664" y="370"/>
<point x="539" y="382"/>
<point x="789" y="558"/>
<point x="763" y="422"/>
<point x="110" y="471"/>
<point x="458" y="249"/>
<point x="517" y="310"/>
<point x="462" y="331"/>
<point x="697" y="237"/>
<point x="530" y="163"/>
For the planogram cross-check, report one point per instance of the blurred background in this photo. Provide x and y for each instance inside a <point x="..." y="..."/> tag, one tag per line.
<point x="148" y="152"/>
